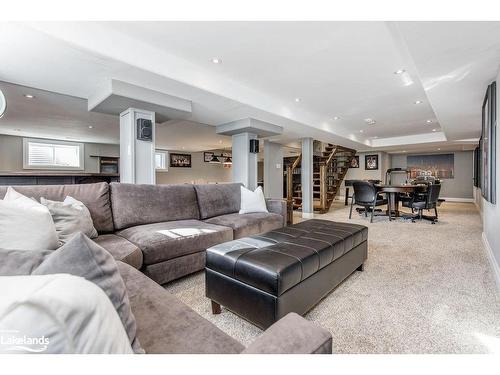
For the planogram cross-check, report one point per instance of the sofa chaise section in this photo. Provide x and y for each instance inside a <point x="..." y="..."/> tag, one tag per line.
<point x="175" y="248"/>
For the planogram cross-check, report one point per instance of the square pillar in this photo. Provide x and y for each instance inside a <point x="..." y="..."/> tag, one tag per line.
<point x="307" y="178"/>
<point x="137" y="162"/>
<point x="244" y="167"/>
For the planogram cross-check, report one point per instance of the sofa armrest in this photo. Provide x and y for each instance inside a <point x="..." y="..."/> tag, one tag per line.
<point x="292" y="335"/>
<point x="277" y="206"/>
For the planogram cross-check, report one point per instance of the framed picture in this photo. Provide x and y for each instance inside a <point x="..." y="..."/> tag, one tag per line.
<point x="371" y="162"/>
<point x="180" y="160"/>
<point x="441" y="166"/>
<point x="207" y="156"/>
<point x="488" y="145"/>
<point x="354" y="162"/>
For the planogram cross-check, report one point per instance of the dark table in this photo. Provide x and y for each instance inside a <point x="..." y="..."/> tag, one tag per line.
<point x="393" y="194"/>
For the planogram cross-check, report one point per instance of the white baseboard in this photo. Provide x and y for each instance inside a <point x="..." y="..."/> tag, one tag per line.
<point x="307" y="215"/>
<point x="463" y="200"/>
<point x="492" y="259"/>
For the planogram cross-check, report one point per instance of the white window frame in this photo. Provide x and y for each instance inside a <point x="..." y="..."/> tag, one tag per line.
<point x="165" y="156"/>
<point x="26" y="164"/>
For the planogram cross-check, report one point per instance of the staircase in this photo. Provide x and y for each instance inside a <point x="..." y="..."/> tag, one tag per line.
<point x="329" y="170"/>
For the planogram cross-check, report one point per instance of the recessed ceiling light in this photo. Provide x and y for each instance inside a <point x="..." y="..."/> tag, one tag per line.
<point x="220" y="141"/>
<point x="434" y="130"/>
<point x="297" y="100"/>
<point x="183" y="147"/>
<point x="404" y="150"/>
<point x="91" y="127"/>
<point x="439" y="149"/>
<point x="418" y="101"/>
<point x="399" y="71"/>
<point x="429" y="121"/>
<point x="29" y="96"/>
<point x="361" y="131"/>
<point x="336" y="117"/>
<point x="216" y="60"/>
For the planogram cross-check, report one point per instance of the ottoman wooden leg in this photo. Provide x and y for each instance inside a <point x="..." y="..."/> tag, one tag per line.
<point x="215" y="308"/>
<point x="360" y="268"/>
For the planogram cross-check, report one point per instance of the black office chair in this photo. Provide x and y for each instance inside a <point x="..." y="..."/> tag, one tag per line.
<point x="426" y="201"/>
<point x="365" y="194"/>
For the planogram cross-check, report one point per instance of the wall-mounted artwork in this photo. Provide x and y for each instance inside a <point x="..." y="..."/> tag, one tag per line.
<point x="371" y="162"/>
<point x="440" y="166"/>
<point x="180" y="160"/>
<point x="207" y="156"/>
<point x="488" y="145"/>
<point x="354" y="162"/>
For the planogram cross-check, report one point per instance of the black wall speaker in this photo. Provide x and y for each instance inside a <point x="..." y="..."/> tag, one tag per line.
<point x="254" y="146"/>
<point x="144" y="130"/>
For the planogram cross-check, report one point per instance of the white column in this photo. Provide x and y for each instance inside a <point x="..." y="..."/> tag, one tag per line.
<point x="137" y="162"/>
<point x="273" y="170"/>
<point x="307" y="178"/>
<point x="244" y="166"/>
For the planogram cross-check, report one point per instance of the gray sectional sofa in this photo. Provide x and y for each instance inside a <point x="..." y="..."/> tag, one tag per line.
<point x="164" y="230"/>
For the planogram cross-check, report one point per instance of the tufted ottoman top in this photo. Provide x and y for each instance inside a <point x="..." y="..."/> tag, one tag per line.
<point x="278" y="260"/>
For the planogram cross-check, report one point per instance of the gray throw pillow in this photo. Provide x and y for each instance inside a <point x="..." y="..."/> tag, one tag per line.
<point x="82" y="257"/>
<point x="70" y="217"/>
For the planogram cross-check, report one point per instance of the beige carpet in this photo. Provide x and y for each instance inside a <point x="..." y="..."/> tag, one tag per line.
<point x="425" y="289"/>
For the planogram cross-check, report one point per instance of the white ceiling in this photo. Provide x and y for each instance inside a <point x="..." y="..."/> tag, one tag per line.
<point x="55" y="116"/>
<point x="343" y="69"/>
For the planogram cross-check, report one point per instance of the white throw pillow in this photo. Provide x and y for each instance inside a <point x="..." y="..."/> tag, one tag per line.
<point x="252" y="201"/>
<point x="58" y="314"/>
<point x="25" y="224"/>
<point x="70" y="217"/>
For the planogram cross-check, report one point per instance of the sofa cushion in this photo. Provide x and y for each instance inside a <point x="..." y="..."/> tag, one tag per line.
<point x="121" y="249"/>
<point x="94" y="196"/>
<point x="146" y="204"/>
<point x="247" y="224"/>
<point x="74" y="316"/>
<point x="218" y="199"/>
<point x="168" y="240"/>
<point x="80" y="256"/>
<point x="166" y="325"/>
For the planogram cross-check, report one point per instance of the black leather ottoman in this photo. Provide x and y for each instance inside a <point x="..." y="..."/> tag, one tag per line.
<point x="264" y="277"/>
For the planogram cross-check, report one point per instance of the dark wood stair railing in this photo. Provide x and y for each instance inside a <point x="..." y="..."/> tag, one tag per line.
<point x="329" y="171"/>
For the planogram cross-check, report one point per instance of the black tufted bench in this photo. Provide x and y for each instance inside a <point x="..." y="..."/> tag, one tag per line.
<point x="264" y="277"/>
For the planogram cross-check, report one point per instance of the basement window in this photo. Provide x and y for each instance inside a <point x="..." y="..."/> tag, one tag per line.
<point x="51" y="154"/>
<point x="161" y="158"/>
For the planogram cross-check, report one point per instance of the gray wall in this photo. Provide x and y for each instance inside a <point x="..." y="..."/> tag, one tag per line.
<point x="491" y="212"/>
<point x="362" y="174"/>
<point x="11" y="160"/>
<point x="11" y="154"/>
<point x="458" y="187"/>
<point x="200" y="172"/>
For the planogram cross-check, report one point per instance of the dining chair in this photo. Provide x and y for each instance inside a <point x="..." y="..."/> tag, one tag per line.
<point x="365" y="194"/>
<point x="425" y="201"/>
